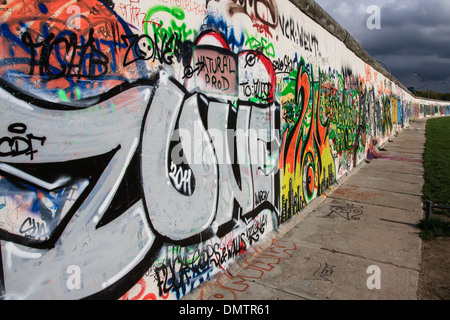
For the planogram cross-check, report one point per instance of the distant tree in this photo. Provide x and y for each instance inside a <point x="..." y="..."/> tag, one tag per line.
<point x="433" y="95"/>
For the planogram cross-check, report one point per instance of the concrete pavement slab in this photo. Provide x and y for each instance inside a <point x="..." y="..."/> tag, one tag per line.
<point x="314" y="273"/>
<point x="401" y="177"/>
<point x="413" y="153"/>
<point x="397" y="166"/>
<point x="373" y="181"/>
<point x="321" y="274"/>
<point x="381" y="198"/>
<point x="362" y="230"/>
<point x="407" y="155"/>
<point x="391" y="149"/>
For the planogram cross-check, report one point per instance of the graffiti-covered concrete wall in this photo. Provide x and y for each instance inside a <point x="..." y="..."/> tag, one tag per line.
<point x="145" y="145"/>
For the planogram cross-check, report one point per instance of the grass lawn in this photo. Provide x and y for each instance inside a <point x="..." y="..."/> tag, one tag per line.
<point x="437" y="161"/>
<point x="437" y="176"/>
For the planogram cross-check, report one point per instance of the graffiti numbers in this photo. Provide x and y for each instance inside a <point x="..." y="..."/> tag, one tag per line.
<point x="181" y="179"/>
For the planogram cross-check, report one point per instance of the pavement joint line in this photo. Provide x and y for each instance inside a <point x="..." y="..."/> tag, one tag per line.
<point x="310" y="245"/>
<point x="389" y="152"/>
<point x="370" y="259"/>
<point x="378" y="205"/>
<point x="408" y="182"/>
<point x="405" y="173"/>
<point x="400" y="160"/>
<point x="399" y="192"/>
<point x="296" y="294"/>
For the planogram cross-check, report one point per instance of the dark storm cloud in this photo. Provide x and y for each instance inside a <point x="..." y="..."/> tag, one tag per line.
<point x="414" y="37"/>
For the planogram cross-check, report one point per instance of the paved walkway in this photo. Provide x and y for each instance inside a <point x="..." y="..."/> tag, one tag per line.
<point x="360" y="236"/>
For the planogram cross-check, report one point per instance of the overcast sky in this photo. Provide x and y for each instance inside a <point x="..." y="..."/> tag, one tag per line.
<point x="413" y="38"/>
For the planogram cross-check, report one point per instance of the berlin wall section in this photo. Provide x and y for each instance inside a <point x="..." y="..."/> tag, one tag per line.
<point x="145" y="145"/>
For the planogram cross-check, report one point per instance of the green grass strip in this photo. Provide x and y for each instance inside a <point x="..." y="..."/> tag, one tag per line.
<point x="437" y="161"/>
<point x="437" y="176"/>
